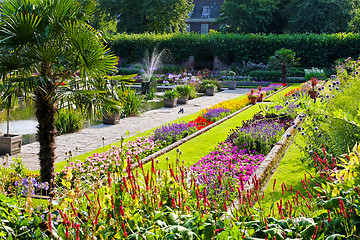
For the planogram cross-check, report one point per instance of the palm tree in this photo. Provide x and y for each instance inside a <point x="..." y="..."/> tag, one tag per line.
<point x="284" y="57"/>
<point x="50" y="53"/>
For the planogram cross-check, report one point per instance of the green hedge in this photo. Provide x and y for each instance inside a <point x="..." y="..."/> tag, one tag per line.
<point x="260" y="75"/>
<point x="318" y="50"/>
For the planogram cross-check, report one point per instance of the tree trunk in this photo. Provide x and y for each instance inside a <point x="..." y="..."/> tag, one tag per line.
<point x="283" y="73"/>
<point x="45" y="114"/>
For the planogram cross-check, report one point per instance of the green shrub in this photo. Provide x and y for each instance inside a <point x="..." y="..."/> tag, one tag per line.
<point x="171" y="69"/>
<point x="131" y="102"/>
<point x="171" y="94"/>
<point x="319" y="50"/>
<point x="201" y="87"/>
<point x="186" y="90"/>
<point x="295" y="72"/>
<point x="128" y="71"/>
<point x="69" y="121"/>
<point x="210" y="86"/>
<point x="271" y="76"/>
<point x="314" y="73"/>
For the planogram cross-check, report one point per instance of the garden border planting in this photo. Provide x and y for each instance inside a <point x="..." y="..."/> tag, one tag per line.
<point x="197" y="133"/>
<point x="266" y="167"/>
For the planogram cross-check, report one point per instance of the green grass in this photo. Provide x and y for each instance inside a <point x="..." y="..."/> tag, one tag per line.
<point x="291" y="171"/>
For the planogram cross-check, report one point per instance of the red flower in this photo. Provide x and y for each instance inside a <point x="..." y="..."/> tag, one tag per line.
<point x="200" y="123"/>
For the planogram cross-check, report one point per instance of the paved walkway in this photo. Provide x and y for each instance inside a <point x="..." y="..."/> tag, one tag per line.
<point x="91" y="138"/>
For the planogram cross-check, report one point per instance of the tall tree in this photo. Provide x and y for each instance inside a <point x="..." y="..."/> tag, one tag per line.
<point x="156" y="16"/>
<point x="247" y="16"/>
<point x="50" y="53"/>
<point x="321" y="16"/>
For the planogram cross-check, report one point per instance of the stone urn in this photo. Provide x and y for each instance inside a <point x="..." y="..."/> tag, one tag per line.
<point x="10" y="144"/>
<point x="183" y="99"/>
<point x="210" y="92"/>
<point x="232" y="85"/>
<point x="111" y="119"/>
<point x="169" y="102"/>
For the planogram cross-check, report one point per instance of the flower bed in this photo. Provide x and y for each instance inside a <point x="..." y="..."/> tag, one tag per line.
<point x="228" y="161"/>
<point x="260" y="134"/>
<point x="236" y="160"/>
<point x="142" y="147"/>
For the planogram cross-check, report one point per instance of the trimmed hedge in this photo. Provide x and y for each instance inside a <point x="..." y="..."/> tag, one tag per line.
<point x="319" y="50"/>
<point x="260" y="75"/>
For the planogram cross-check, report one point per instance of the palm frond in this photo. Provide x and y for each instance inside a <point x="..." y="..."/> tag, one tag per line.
<point x="91" y="56"/>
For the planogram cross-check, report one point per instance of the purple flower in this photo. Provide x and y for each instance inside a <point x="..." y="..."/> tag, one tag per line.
<point x="172" y="132"/>
<point x="213" y="114"/>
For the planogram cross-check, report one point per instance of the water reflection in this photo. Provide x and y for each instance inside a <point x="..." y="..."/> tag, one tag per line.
<point x="27" y="128"/>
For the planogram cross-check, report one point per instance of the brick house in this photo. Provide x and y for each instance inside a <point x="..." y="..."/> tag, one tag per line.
<point x="203" y="16"/>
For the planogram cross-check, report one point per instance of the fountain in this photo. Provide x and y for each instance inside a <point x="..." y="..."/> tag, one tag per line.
<point x="149" y="65"/>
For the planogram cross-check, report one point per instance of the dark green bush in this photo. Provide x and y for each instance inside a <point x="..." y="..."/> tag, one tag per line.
<point x="296" y="72"/>
<point x="128" y="71"/>
<point x="69" y="121"/>
<point x="171" y="69"/>
<point x="260" y="75"/>
<point x="314" y="50"/>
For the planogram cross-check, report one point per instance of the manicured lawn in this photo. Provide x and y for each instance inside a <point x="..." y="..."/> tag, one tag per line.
<point x="291" y="171"/>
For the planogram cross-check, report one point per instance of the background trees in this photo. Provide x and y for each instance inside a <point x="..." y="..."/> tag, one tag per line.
<point x="247" y="16"/>
<point x="321" y="16"/>
<point x="156" y="16"/>
<point x="296" y="16"/>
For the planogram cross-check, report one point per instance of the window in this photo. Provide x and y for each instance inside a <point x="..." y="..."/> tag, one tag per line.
<point x="204" y="28"/>
<point x="206" y="12"/>
<point x="188" y="27"/>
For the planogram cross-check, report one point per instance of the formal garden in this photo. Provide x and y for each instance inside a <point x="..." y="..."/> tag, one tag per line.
<point x="280" y="162"/>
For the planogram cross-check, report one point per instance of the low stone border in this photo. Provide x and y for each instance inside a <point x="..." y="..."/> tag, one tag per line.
<point x="195" y="134"/>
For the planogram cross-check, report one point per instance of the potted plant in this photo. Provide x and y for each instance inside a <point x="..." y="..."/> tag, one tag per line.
<point x="253" y="96"/>
<point x="312" y="91"/>
<point x="10" y="143"/>
<point x="184" y="92"/>
<point x="262" y="93"/>
<point x="111" y="116"/>
<point x="170" y="98"/>
<point x="112" y="108"/>
<point x="210" y="89"/>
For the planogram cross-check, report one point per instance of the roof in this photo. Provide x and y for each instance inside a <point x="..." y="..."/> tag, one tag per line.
<point x="215" y="7"/>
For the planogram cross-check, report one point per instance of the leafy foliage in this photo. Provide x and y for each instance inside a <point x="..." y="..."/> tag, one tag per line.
<point x="50" y="53"/>
<point x="69" y="121"/>
<point x="148" y="16"/>
<point x="321" y="16"/>
<point x="247" y="16"/>
<point x="313" y="50"/>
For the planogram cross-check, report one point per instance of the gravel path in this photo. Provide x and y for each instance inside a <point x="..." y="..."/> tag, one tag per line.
<point x="91" y="138"/>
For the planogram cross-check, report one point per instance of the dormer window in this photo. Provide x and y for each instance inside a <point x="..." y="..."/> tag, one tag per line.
<point x="206" y="12"/>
